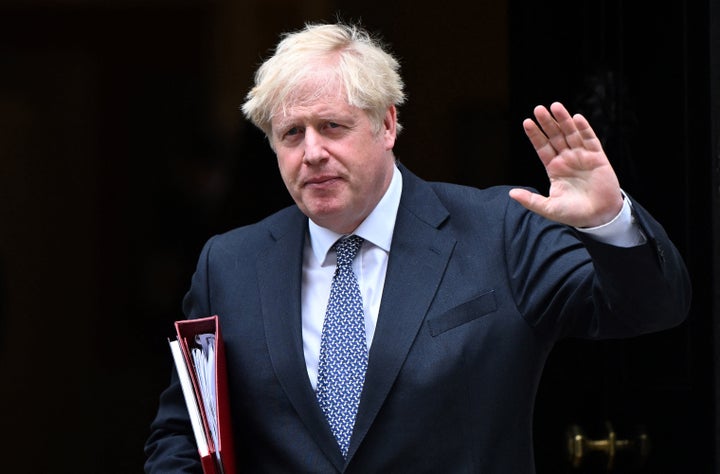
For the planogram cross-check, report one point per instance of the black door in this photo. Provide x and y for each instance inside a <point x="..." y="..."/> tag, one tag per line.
<point x="641" y="73"/>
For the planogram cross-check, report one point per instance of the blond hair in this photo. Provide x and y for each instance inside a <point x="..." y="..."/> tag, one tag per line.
<point x="369" y="75"/>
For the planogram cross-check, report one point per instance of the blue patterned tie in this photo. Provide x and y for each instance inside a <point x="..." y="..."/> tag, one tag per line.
<point x="343" y="349"/>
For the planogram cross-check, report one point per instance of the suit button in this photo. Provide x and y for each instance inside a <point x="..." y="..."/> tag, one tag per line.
<point x="660" y="252"/>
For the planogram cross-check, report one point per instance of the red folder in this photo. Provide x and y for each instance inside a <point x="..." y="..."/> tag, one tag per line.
<point x="216" y="455"/>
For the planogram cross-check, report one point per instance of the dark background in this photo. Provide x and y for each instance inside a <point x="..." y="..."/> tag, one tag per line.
<point x="122" y="150"/>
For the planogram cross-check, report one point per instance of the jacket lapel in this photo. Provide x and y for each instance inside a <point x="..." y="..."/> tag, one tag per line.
<point x="279" y="272"/>
<point x="418" y="258"/>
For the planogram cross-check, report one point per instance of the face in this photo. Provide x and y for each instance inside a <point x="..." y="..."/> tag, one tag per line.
<point x="334" y="162"/>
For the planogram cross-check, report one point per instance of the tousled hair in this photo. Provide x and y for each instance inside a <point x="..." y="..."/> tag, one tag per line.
<point x="354" y="59"/>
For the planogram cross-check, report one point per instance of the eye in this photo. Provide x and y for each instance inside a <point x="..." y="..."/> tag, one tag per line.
<point x="292" y="131"/>
<point x="334" y="128"/>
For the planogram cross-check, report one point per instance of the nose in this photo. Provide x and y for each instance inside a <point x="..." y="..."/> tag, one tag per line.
<point x="314" y="147"/>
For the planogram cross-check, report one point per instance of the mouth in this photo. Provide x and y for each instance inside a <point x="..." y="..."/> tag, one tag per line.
<point x="321" y="181"/>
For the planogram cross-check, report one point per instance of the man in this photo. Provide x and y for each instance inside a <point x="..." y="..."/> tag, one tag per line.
<point x="463" y="291"/>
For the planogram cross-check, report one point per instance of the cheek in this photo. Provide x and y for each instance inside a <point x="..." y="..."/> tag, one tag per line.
<point x="288" y="168"/>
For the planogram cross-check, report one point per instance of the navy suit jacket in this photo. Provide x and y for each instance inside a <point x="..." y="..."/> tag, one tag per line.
<point x="477" y="292"/>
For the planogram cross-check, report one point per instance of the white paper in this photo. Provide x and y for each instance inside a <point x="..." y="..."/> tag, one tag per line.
<point x="190" y="400"/>
<point x="204" y="360"/>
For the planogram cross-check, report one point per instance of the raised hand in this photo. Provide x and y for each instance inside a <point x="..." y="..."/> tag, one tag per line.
<point x="584" y="190"/>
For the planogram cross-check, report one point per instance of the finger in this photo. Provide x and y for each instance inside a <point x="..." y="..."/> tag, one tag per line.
<point x="551" y="128"/>
<point x="587" y="134"/>
<point x="567" y="125"/>
<point x="539" y="140"/>
<point x="531" y="201"/>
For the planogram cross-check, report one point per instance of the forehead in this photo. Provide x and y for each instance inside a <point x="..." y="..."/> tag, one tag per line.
<point x="319" y="87"/>
<point x="315" y="98"/>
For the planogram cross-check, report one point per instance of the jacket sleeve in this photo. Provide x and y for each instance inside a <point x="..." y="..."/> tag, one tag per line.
<point x="171" y="447"/>
<point x="568" y="284"/>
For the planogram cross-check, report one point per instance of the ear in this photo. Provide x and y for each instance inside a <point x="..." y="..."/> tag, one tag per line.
<point x="389" y="129"/>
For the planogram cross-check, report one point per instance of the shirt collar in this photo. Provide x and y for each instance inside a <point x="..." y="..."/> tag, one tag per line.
<point x="377" y="227"/>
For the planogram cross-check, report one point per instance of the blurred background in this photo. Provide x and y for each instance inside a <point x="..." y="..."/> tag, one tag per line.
<point x="122" y="149"/>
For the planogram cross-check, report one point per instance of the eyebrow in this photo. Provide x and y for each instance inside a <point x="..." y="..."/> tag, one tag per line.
<point x="286" y="122"/>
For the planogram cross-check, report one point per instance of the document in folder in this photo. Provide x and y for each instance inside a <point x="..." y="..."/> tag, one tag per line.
<point x="199" y="357"/>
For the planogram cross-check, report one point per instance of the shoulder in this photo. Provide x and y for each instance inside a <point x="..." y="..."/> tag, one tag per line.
<point x="464" y="205"/>
<point x="459" y="194"/>
<point x="254" y="237"/>
<point x="490" y="211"/>
<point x="456" y="195"/>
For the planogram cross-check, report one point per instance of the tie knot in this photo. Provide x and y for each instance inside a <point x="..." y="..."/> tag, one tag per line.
<point x="347" y="248"/>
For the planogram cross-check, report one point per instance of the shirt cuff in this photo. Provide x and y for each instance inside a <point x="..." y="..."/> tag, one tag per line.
<point x="622" y="231"/>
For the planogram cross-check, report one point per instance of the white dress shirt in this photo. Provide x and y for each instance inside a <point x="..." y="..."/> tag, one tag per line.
<point x="370" y="266"/>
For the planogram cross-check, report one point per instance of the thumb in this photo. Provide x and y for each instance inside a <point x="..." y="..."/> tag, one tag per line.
<point x="531" y="201"/>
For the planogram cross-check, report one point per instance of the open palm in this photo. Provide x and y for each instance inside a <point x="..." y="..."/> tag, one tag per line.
<point x="584" y="190"/>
